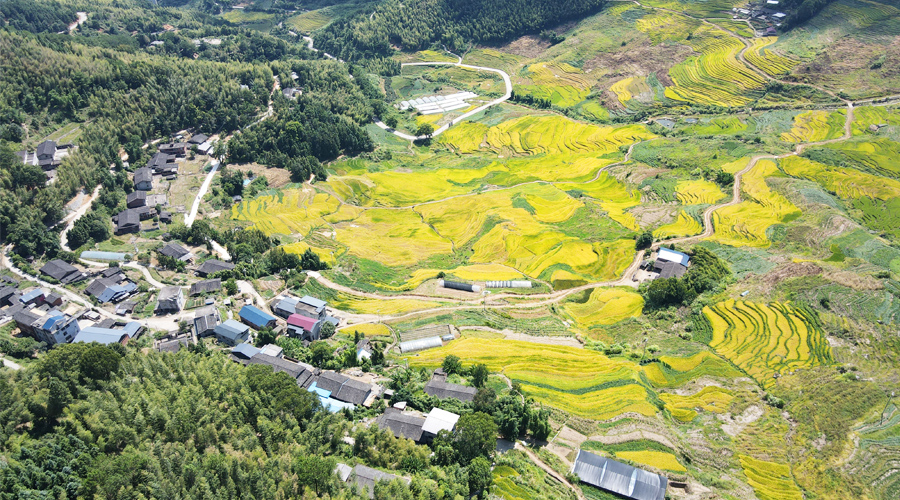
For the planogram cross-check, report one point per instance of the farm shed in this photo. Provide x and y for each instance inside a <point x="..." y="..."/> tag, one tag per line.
<point x="454" y="285"/>
<point x="232" y="332"/>
<point x="206" y="286"/>
<point x="439" y="420"/>
<point x="445" y="390"/>
<point x="366" y="477"/>
<point x="103" y="336"/>
<point x="618" y="478"/>
<point x="673" y="256"/>
<point x="420" y="344"/>
<point x="508" y="284"/>
<point x="213" y="266"/>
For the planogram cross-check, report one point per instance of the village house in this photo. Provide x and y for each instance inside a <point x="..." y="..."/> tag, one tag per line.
<point x="63" y="272"/>
<point x="206" y="286"/>
<point x="213" y="266"/>
<point x="170" y="299"/>
<point x="232" y="332"/>
<point x="256" y="317"/>
<point x="206" y="319"/>
<point x="143" y="179"/>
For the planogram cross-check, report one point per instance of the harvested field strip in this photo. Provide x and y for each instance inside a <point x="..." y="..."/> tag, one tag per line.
<point x="685" y="225"/>
<point x="766" y="60"/>
<point x="767" y="339"/>
<point x="846" y="183"/>
<point x="658" y="459"/>
<point x="769" y="480"/>
<point x="674" y="372"/>
<point x="812" y="126"/>
<point x="746" y="223"/>
<point x="697" y="192"/>
<point x="606" y="306"/>
<point x="583" y="382"/>
<point x="684" y="408"/>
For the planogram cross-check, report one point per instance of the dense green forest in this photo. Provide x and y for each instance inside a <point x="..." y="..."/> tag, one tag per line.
<point x="455" y="23"/>
<point x="89" y="421"/>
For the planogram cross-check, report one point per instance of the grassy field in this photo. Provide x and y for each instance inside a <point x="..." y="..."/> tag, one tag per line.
<point x="765" y="340"/>
<point x="310" y="21"/>
<point x="579" y="381"/>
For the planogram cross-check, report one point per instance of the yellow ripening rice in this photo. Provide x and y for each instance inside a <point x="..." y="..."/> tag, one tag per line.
<point x="614" y="197"/>
<point x="712" y="399"/>
<point x="746" y="223"/>
<point x="697" y="192"/>
<point x="846" y="182"/>
<point x="606" y="306"/>
<point x="659" y="459"/>
<point x="580" y="381"/>
<point x="675" y="371"/>
<point x="764" y="340"/>
<point x="769" y="480"/>
<point x="556" y="134"/>
<point x="814" y="126"/>
<point x="684" y="225"/>
<point x="630" y="88"/>
<point x="391" y="237"/>
<point x="289" y="211"/>
<point x="299" y="247"/>
<point x="368" y="329"/>
<point x="465" y="137"/>
<point x="767" y="60"/>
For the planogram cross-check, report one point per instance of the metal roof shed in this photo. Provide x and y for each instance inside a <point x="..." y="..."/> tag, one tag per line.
<point x="618" y="478"/>
<point x="420" y="344"/>
<point x="673" y="256"/>
<point x="256" y="317"/>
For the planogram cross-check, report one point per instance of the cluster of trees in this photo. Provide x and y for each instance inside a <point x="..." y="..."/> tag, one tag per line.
<point x="802" y="10"/>
<point x="454" y="23"/>
<point x="707" y="272"/>
<point x="531" y="100"/>
<point x="37" y="17"/>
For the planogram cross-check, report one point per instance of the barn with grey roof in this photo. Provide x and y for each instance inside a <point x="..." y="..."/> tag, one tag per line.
<point x="616" y="477"/>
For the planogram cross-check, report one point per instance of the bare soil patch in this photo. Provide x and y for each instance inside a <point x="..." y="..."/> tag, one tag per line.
<point x="790" y="270"/>
<point x="650" y="215"/>
<point x="638" y="58"/>
<point x="530" y="46"/>
<point x="277" y="177"/>
<point x="735" y="425"/>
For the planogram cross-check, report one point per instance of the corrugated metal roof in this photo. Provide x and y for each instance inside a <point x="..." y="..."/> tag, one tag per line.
<point x="231" y="329"/>
<point x="302" y="321"/>
<point x="101" y="335"/>
<point x="255" y="315"/>
<point x="420" y="344"/>
<point x="245" y="350"/>
<point x="673" y="256"/>
<point x="312" y="301"/>
<point x="624" y="480"/>
<point x="439" y="420"/>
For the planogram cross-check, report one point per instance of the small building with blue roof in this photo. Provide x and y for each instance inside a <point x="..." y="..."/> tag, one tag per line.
<point x="232" y="332"/>
<point x="256" y="317"/>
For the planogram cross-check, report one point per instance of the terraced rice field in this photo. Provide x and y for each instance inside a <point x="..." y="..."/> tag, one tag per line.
<point x="866" y="116"/>
<point x="766" y="60"/>
<point x="289" y="211"/>
<point x="614" y="197"/>
<point x="310" y="21"/>
<point x="555" y="134"/>
<point x="770" y="481"/>
<point x="659" y="459"/>
<point x="684" y="225"/>
<point x="392" y="237"/>
<point x="813" y="126"/>
<point x="712" y="399"/>
<point x="698" y="192"/>
<point x="238" y="16"/>
<point x="631" y="88"/>
<point x="580" y="381"/>
<point x="675" y="371"/>
<point x="877" y="156"/>
<point x="716" y="76"/>
<point x="605" y="306"/>
<point x="765" y="340"/>
<point x="370" y="330"/>
<point x="465" y="137"/>
<point x="299" y="247"/>
<point x="845" y="182"/>
<point x="746" y="223"/>
<point x="878" y="453"/>
<point x="718" y="126"/>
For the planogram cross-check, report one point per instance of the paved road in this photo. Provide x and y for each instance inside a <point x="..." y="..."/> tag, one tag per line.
<point x="189" y="219"/>
<point x="10" y="364"/>
<point x="74" y="216"/>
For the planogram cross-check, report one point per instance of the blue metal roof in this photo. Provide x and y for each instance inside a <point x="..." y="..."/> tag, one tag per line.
<point x="322" y="393"/>
<point x="131" y="328"/>
<point x="313" y="302"/>
<point x="33" y="294"/>
<point x="231" y="329"/>
<point x="95" y="255"/>
<point x="245" y="350"/>
<point x="334" y="406"/>
<point x="255" y="315"/>
<point x="52" y="318"/>
<point x="102" y="335"/>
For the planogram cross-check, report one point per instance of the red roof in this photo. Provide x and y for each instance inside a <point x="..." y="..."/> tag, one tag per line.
<point x="301" y="321"/>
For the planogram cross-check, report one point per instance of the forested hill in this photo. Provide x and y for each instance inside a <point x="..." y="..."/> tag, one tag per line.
<point x="416" y="25"/>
